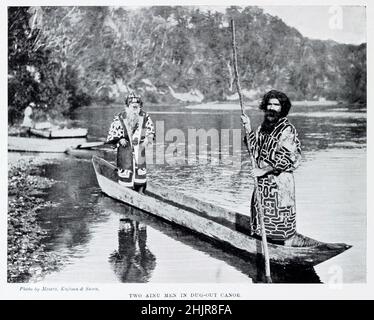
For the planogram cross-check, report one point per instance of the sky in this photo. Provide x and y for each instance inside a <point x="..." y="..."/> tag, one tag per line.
<point x="344" y="24"/>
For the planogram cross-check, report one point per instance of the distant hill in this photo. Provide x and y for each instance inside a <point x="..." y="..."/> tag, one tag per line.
<point x="189" y="49"/>
<point x="173" y="54"/>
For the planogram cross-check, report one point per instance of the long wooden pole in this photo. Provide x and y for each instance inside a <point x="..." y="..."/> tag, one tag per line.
<point x="260" y="209"/>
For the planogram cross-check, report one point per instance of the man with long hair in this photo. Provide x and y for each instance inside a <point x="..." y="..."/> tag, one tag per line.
<point x="276" y="148"/>
<point x="131" y="131"/>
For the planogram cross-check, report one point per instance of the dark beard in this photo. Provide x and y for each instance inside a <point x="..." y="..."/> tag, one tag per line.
<point x="270" y="120"/>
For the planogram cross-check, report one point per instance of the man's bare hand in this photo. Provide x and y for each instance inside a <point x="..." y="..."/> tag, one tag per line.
<point x="123" y="142"/>
<point x="246" y="122"/>
<point x="257" y="172"/>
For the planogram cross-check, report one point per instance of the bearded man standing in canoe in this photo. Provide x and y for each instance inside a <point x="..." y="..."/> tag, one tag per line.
<point x="276" y="148"/>
<point x="131" y="131"/>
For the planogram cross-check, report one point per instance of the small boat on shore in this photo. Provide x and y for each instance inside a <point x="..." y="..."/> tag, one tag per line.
<point x="220" y="224"/>
<point x="57" y="133"/>
<point x="24" y="144"/>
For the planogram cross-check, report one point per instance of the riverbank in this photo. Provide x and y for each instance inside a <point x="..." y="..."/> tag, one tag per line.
<point x="27" y="256"/>
<point x="234" y="105"/>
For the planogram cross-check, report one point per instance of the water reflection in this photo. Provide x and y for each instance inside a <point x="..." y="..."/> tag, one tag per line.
<point x="133" y="261"/>
<point x="69" y="224"/>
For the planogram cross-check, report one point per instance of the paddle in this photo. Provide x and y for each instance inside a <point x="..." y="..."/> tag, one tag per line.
<point x="85" y="146"/>
<point x="260" y="213"/>
<point x="89" y="145"/>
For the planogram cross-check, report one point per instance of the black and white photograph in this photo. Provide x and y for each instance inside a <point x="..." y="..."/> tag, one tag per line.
<point x="209" y="149"/>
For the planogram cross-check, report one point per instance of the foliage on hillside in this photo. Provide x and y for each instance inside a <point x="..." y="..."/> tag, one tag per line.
<point x="83" y="53"/>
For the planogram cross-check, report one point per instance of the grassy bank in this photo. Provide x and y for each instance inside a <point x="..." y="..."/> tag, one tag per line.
<point x="27" y="256"/>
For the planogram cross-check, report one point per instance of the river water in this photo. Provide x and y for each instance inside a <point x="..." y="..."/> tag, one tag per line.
<point x="102" y="240"/>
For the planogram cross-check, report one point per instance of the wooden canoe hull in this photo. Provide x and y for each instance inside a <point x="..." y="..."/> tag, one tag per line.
<point x="60" y="133"/>
<point x="210" y="227"/>
<point x="21" y="144"/>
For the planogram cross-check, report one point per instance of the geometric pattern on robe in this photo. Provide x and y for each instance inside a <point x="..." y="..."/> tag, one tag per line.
<point x="281" y="150"/>
<point x="131" y="159"/>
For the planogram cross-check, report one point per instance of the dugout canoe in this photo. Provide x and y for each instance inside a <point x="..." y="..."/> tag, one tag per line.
<point x="23" y="144"/>
<point x="207" y="219"/>
<point x="57" y="133"/>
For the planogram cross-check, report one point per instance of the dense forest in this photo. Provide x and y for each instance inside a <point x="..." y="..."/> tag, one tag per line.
<point x="63" y="57"/>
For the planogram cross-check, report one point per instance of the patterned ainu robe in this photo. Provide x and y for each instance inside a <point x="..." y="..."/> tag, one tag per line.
<point x="281" y="150"/>
<point x="131" y="159"/>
